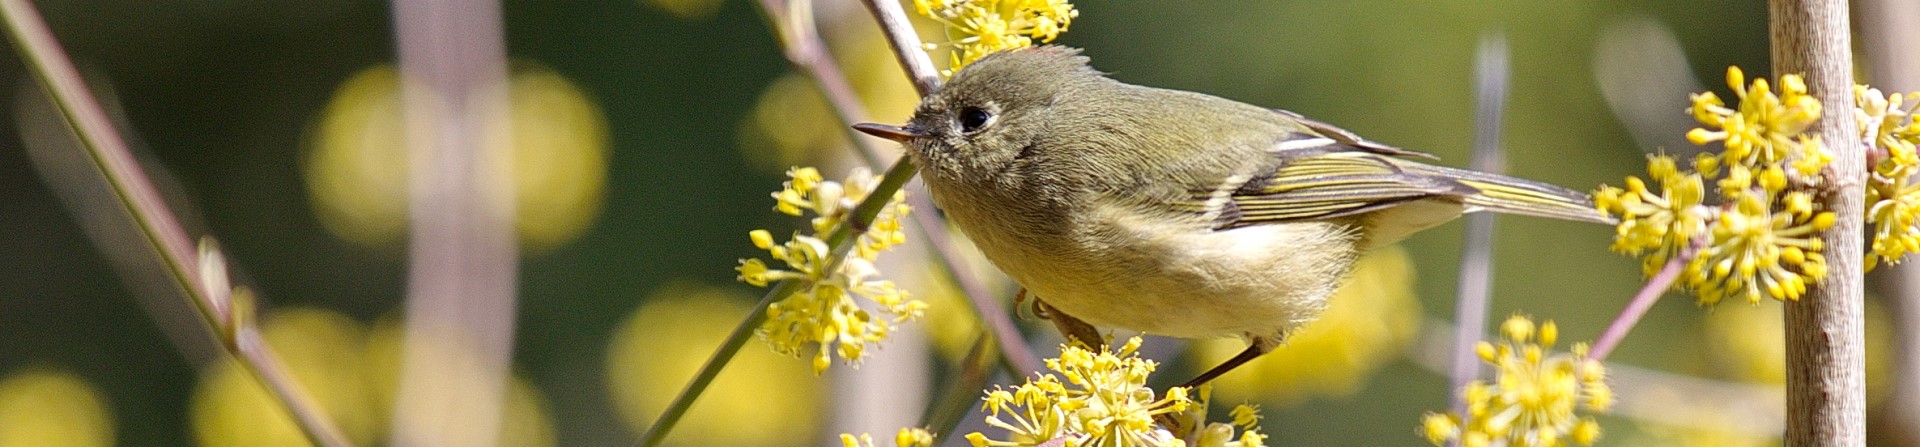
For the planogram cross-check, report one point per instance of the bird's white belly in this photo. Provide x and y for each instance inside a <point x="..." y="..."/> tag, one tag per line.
<point x="1183" y="280"/>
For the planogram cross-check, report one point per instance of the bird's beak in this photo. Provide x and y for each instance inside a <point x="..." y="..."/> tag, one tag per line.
<point x="895" y="133"/>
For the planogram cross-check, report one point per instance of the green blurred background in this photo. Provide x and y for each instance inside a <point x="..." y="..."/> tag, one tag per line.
<point x="228" y="97"/>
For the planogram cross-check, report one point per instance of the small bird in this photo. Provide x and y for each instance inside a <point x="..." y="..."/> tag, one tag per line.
<point x="1177" y="213"/>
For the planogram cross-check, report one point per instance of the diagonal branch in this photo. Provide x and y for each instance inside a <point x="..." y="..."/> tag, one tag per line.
<point x="190" y="270"/>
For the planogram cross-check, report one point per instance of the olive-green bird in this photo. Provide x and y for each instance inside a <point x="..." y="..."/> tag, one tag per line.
<point x="1177" y="213"/>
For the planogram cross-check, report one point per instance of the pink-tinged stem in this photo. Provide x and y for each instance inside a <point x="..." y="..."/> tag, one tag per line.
<point x="1642" y="301"/>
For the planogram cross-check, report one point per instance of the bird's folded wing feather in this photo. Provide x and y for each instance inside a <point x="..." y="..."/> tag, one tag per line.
<point x="1320" y="172"/>
<point x="1318" y="184"/>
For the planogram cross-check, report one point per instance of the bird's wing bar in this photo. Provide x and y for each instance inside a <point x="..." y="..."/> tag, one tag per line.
<point x="1308" y="186"/>
<point x="1346" y="140"/>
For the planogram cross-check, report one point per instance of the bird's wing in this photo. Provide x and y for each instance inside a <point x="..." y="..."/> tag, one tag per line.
<point x="1344" y="140"/>
<point x="1317" y="184"/>
<point x="1322" y="172"/>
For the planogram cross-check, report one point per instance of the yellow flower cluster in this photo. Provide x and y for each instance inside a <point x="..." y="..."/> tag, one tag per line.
<point x="1535" y="397"/>
<point x="824" y="312"/>
<point x="1100" y="399"/>
<point x="907" y="437"/>
<point x="1765" y="129"/>
<point x="977" y="28"/>
<point x="1754" y="248"/>
<point x="1663" y="223"/>
<point x="1893" y="201"/>
<point x="1762" y="238"/>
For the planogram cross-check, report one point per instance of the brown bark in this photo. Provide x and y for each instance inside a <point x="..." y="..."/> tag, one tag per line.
<point x="1826" y="379"/>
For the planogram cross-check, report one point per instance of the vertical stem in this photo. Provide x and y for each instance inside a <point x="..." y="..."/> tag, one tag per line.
<point x="1826" y="380"/>
<point x="462" y="261"/>
<point x="1476" y="263"/>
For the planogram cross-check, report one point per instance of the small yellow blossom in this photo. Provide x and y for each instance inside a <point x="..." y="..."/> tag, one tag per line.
<point x="1758" y="251"/>
<point x="1663" y="223"/>
<point x="1246" y="418"/>
<point x="1765" y="129"/>
<point x="1534" y="398"/>
<point x="1095" y="399"/>
<point x="1893" y="201"/>
<point x="977" y="28"/>
<point x="907" y="437"/>
<point x="824" y="313"/>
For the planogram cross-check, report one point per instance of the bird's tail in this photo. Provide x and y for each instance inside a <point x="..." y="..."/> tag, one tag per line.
<point x="1505" y="194"/>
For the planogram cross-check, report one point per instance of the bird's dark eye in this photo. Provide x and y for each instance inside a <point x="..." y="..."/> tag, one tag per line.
<point x="972" y="119"/>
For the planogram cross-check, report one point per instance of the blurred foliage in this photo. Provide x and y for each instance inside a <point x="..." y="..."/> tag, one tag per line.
<point x="350" y="370"/>
<point x="761" y="399"/>
<point x="1368" y="323"/>
<point x="48" y="407"/>
<point x="358" y="157"/>
<point x="790" y="123"/>
<point x="226" y="96"/>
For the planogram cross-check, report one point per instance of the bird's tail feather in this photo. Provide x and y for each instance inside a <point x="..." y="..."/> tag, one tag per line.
<point x="1505" y="194"/>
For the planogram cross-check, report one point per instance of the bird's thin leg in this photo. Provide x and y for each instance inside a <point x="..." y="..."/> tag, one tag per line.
<point x="1254" y="350"/>
<point x="1071" y="327"/>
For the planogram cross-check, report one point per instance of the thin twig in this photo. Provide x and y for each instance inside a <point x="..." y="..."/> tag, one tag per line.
<point x="1476" y="264"/>
<point x="906" y="45"/>
<point x="158" y="225"/>
<point x="963" y="390"/>
<point x="842" y="239"/>
<point x="710" y="370"/>
<point x="1641" y="302"/>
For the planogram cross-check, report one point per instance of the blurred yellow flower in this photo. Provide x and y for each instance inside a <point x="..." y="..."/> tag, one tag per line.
<point x="907" y="437"/>
<point x="1893" y="200"/>
<point x="791" y="124"/>
<point x="1535" y="397"/>
<point x="1654" y="433"/>
<point x="350" y="371"/>
<point x="356" y="162"/>
<point x="1367" y="323"/>
<point x="660" y="346"/>
<point x="1748" y="344"/>
<point x="47" y="407"/>
<point x="324" y="351"/>
<point x="355" y="165"/>
<point x="560" y="151"/>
